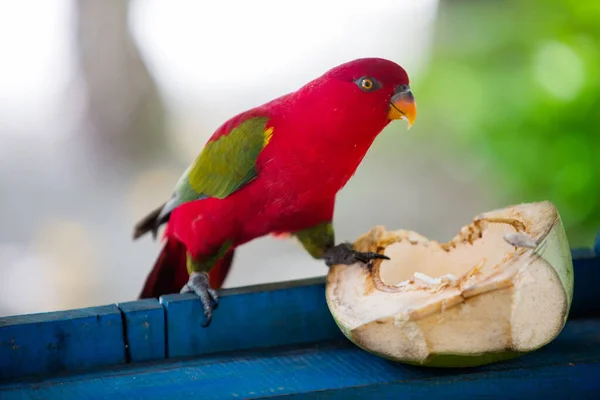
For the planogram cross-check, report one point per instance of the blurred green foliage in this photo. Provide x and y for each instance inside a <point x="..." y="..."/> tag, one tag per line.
<point x="515" y="86"/>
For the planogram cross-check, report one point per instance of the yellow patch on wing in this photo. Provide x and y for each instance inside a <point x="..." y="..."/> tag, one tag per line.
<point x="268" y="135"/>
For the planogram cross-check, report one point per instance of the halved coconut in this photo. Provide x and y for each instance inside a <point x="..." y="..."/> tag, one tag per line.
<point x="502" y="287"/>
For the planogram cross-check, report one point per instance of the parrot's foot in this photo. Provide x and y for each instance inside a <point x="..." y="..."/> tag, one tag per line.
<point x="344" y="254"/>
<point x="198" y="283"/>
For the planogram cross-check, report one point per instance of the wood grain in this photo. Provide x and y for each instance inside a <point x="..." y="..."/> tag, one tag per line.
<point x="569" y="367"/>
<point x="252" y="319"/>
<point x="61" y="341"/>
<point x="144" y="322"/>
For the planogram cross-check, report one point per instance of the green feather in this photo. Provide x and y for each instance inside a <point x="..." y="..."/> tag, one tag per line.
<point x="229" y="162"/>
<point x="317" y="239"/>
<point x="224" y="165"/>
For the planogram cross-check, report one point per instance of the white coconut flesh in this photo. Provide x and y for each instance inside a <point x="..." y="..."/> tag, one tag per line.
<point x="503" y="284"/>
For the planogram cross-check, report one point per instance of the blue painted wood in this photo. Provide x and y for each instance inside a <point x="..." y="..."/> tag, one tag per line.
<point x="551" y="382"/>
<point x="586" y="296"/>
<point x="249" y="318"/>
<point x="269" y="315"/>
<point x="144" y="322"/>
<point x="579" y="253"/>
<point x="569" y="367"/>
<point x="59" y="341"/>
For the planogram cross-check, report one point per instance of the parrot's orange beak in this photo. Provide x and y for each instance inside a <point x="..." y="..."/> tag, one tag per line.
<point x="403" y="105"/>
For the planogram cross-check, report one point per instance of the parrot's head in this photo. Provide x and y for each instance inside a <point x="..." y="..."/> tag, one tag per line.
<point x="372" y="91"/>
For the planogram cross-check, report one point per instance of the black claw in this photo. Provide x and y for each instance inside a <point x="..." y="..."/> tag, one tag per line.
<point x="214" y="296"/>
<point x="344" y="254"/>
<point x="198" y="283"/>
<point x="369" y="256"/>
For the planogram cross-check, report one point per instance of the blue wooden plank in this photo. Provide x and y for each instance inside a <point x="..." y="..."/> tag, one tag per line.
<point x="267" y="315"/>
<point x="583" y="252"/>
<point x="270" y="315"/>
<point x="570" y="365"/>
<point x="551" y="382"/>
<point x="60" y="341"/>
<point x="144" y="329"/>
<point x="586" y="296"/>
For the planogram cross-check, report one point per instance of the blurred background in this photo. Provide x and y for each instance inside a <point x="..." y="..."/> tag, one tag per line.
<point x="103" y="104"/>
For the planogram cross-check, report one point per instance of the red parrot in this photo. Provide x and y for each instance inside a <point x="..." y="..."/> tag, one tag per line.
<point x="275" y="169"/>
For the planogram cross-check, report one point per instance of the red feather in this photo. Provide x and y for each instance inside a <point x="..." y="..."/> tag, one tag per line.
<point x="169" y="273"/>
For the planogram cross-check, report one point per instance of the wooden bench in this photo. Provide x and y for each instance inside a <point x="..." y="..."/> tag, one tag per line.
<point x="276" y="340"/>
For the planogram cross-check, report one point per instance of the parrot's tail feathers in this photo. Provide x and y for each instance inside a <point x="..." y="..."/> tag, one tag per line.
<point x="169" y="273"/>
<point x="150" y="223"/>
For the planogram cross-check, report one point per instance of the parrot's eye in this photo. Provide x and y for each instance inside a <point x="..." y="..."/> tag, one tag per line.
<point x="367" y="84"/>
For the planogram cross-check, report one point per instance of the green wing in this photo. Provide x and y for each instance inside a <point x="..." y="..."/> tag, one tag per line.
<point x="226" y="164"/>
